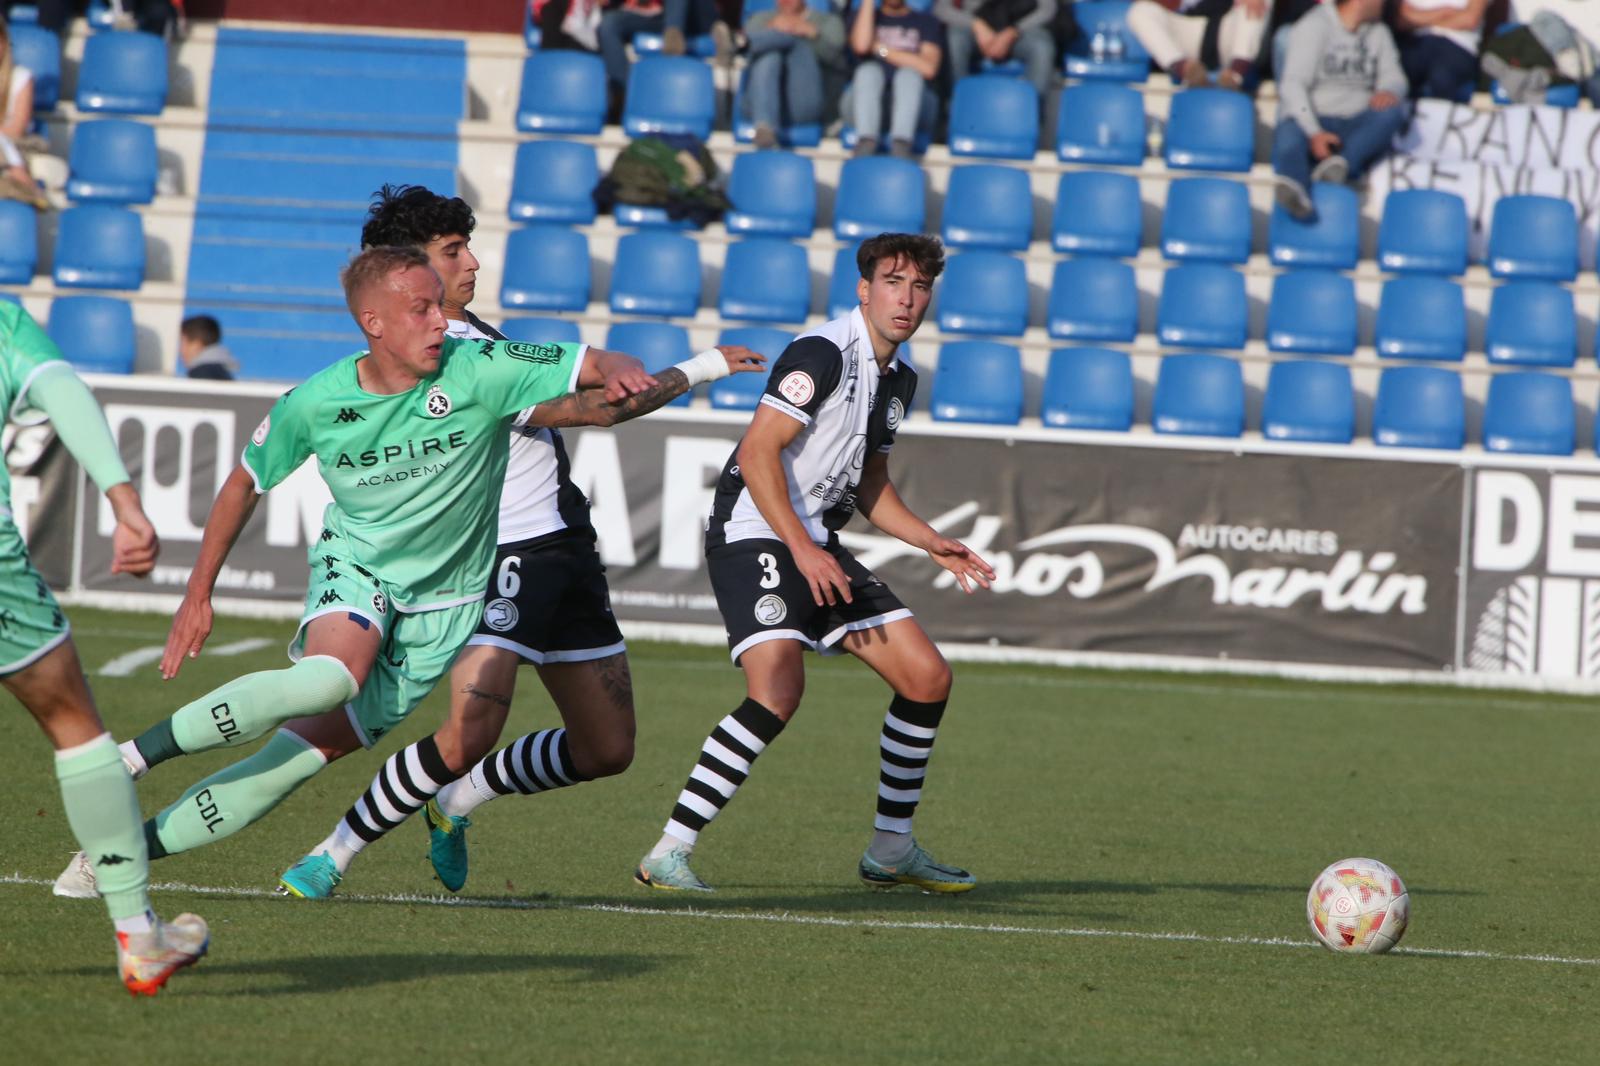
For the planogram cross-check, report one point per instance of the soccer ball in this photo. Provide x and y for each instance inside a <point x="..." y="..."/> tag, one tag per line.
<point x="1358" y="906"/>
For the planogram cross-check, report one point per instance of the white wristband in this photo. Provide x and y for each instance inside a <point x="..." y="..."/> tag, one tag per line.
<point x="709" y="365"/>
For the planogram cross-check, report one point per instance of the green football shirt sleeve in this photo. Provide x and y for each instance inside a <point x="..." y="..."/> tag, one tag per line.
<point x="514" y="375"/>
<point x="80" y="423"/>
<point x="280" y="443"/>
<point x="29" y="353"/>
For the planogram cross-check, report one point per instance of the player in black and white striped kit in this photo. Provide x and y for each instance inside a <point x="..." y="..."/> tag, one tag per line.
<point x="817" y="451"/>
<point x="547" y="604"/>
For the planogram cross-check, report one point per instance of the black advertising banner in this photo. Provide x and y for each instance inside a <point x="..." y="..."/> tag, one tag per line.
<point x="1532" y="596"/>
<point x="1172" y="550"/>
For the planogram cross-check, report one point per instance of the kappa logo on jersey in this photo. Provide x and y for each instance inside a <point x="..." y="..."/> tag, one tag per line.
<point x="330" y="597"/>
<point x="544" y="354"/>
<point x="897" y="411"/>
<point x="347" y="415"/>
<point x="259" y="437"/>
<point x="380" y="603"/>
<point x="500" y="615"/>
<point x="797" y="388"/>
<point x="770" y="610"/>
<point x="438" y="403"/>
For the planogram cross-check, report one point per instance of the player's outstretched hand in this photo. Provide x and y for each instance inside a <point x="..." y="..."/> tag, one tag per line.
<point x="741" y="359"/>
<point x="823" y="573"/>
<point x="624" y="376"/>
<point x="968" y="566"/>
<point x="188" y="635"/>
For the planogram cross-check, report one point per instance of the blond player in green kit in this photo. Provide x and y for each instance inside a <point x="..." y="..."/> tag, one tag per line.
<point x="411" y="437"/>
<point x="39" y="665"/>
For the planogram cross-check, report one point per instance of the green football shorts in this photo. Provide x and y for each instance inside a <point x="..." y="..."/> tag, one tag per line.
<point x="31" y="622"/>
<point x="415" y="650"/>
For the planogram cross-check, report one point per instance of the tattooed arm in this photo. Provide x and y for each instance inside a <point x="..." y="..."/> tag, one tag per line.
<point x="588" y="407"/>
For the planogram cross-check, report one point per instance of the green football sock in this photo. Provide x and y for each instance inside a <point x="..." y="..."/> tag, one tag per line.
<point x="249" y="707"/>
<point x="103" y="812"/>
<point x="235" y="796"/>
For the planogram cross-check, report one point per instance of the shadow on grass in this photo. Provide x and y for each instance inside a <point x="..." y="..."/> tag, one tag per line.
<point x="337" y="973"/>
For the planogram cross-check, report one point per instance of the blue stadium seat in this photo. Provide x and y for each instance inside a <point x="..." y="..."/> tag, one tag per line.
<point x="94" y="333"/>
<point x="1102" y="123"/>
<point x="1093" y="299"/>
<point x="547" y="269"/>
<point x="1312" y="312"/>
<point x="984" y="292"/>
<point x="1555" y="96"/>
<point x="669" y="94"/>
<point x="99" y="247"/>
<point x="1203" y="306"/>
<point x="988" y="206"/>
<point x="1211" y="129"/>
<point x="842" y="297"/>
<point x="1330" y="241"/>
<point x="656" y="273"/>
<point x="994" y="115"/>
<point x="742" y="392"/>
<point x="1309" y="401"/>
<point x="1419" y="407"/>
<point x="553" y="181"/>
<point x="657" y="345"/>
<point x="1097" y="213"/>
<point x="1421" y="316"/>
<point x="1199" y="395"/>
<point x="1078" y="58"/>
<point x="1423" y="231"/>
<point x="1529" y="412"/>
<point x="1206" y="219"/>
<point x="19" y="242"/>
<point x="1088" y="388"/>
<point x="541" y="330"/>
<point x="1534" y="237"/>
<point x="39" y="50"/>
<point x="112" y="161"/>
<point x="1532" y="323"/>
<point x="774" y="194"/>
<point x="283" y="343"/>
<point x="765" y="279"/>
<point x="123" y="72"/>
<point x="878" y="194"/>
<point x="698" y="45"/>
<point x="562" y="92"/>
<point x="978" y="381"/>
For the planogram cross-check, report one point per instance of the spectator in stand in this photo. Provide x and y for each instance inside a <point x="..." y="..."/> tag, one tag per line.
<point x="789" y="46"/>
<point x="1439" y="42"/>
<point x="567" y="25"/>
<point x="1177" y="33"/>
<point x="675" y="20"/>
<point x="201" y="352"/>
<point x="1000" y="30"/>
<point x="898" y="54"/>
<point x="1339" y="99"/>
<point x="16" y="118"/>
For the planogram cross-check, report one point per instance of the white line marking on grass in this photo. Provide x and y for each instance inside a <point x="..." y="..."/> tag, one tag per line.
<point x="124" y="665"/>
<point x="788" y="918"/>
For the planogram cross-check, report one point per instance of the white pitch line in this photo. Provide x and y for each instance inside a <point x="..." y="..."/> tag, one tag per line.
<point x="788" y="918"/>
<point x="126" y="664"/>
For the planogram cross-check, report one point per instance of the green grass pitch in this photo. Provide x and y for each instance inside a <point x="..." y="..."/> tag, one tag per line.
<point x="1143" y="845"/>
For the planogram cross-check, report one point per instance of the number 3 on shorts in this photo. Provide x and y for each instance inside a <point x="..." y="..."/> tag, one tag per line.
<point x="769" y="570"/>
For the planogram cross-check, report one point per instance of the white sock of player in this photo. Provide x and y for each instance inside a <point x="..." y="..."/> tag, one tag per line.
<point x="403" y="786"/>
<point x="725" y="761"/>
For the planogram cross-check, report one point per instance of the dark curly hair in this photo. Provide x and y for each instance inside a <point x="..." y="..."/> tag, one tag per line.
<point x="410" y="215"/>
<point x="925" y="253"/>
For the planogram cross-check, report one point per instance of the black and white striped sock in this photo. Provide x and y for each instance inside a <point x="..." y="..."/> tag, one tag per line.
<point x="533" y="763"/>
<point x="724" y="763"/>
<point x="409" y="778"/>
<point x="909" y="729"/>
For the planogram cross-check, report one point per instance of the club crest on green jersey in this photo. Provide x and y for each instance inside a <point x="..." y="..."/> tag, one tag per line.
<point x="438" y="403"/>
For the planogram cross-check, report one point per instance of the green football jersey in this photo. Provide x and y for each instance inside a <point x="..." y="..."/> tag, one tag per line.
<point x="25" y="352"/>
<point x="415" y="476"/>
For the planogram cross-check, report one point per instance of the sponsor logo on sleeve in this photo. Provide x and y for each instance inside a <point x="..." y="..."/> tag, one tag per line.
<point x="546" y="354"/>
<point x="797" y="387"/>
<point x="897" y="411"/>
<point x="259" y="437"/>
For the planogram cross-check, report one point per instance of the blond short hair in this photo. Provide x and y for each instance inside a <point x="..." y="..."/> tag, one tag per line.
<point x="373" y="266"/>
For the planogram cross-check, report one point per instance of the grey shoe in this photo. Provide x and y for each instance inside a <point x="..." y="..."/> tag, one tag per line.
<point x="1294" y="198"/>
<point x="1335" y="170"/>
<point x="900" y="148"/>
<point x="866" y="146"/>
<point x="672" y="42"/>
<point x="765" y="137"/>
